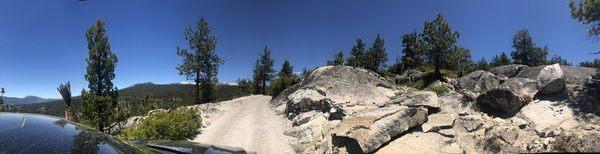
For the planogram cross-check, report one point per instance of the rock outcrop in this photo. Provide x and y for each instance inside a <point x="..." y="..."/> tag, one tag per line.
<point x="345" y="89"/>
<point x="507" y="71"/>
<point x="510" y="96"/>
<point x="478" y="81"/>
<point x="373" y="128"/>
<point x="501" y="111"/>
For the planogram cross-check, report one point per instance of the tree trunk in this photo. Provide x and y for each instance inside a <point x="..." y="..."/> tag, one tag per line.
<point x="437" y="74"/>
<point x="70" y="114"/>
<point x="197" y="89"/>
<point x="264" y="87"/>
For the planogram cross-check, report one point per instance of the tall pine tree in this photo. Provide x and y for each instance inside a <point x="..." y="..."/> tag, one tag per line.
<point x="412" y="45"/>
<point x="500" y="60"/>
<point x="440" y="40"/>
<point x="201" y="63"/>
<point x="263" y="71"/>
<point x="376" y="57"/>
<point x="286" y="69"/>
<point x="526" y="52"/>
<point x="100" y="101"/>
<point x="357" y="54"/>
<point x="338" y="59"/>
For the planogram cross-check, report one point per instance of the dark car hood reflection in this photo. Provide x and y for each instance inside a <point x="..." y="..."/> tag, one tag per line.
<point x="33" y="133"/>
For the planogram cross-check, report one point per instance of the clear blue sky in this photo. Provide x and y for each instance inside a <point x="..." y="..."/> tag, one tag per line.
<point x="42" y="42"/>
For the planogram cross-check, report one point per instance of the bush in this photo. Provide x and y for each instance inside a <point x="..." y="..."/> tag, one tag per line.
<point x="281" y="84"/>
<point x="177" y="124"/>
<point x="437" y="89"/>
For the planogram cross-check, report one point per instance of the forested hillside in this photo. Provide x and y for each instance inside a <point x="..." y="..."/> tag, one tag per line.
<point x="137" y="98"/>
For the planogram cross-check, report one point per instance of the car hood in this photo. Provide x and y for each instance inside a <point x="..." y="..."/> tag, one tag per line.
<point x="35" y="133"/>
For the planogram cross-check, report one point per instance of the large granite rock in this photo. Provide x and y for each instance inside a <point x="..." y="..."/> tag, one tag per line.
<point x="345" y="89"/>
<point x="588" y="96"/>
<point x="478" y="81"/>
<point x="508" y="71"/>
<point x="370" y="129"/>
<point x="551" y="79"/>
<point x="509" y="97"/>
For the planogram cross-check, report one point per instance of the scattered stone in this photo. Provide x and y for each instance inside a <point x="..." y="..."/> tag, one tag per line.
<point x="437" y="122"/>
<point x="518" y="122"/>
<point x="420" y="98"/>
<point x="447" y="132"/>
<point x="417" y="142"/>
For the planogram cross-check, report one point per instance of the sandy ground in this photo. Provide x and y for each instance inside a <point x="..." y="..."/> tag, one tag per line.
<point x="250" y="124"/>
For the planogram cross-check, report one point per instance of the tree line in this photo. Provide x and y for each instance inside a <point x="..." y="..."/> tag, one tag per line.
<point x="434" y="47"/>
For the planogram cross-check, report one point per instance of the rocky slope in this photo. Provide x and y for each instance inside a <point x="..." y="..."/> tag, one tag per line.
<point x="513" y="108"/>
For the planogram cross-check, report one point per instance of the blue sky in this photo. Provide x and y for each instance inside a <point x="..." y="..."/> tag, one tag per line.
<point x="42" y="42"/>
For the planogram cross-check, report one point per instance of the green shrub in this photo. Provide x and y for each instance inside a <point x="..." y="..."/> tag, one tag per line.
<point x="281" y="84"/>
<point x="437" y="89"/>
<point x="177" y="124"/>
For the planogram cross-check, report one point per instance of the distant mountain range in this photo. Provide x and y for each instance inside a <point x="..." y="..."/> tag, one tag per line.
<point x="169" y="95"/>
<point x="26" y="100"/>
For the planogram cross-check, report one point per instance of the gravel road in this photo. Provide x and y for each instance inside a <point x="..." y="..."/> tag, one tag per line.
<point x="250" y="124"/>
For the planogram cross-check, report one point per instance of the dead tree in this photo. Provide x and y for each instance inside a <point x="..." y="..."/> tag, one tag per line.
<point x="65" y="92"/>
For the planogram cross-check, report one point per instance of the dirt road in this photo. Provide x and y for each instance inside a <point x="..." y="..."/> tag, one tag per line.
<point x="250" y="124"/>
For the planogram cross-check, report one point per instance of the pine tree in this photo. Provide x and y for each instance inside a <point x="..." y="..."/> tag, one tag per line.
<point x="440" y="40"/>
<point x="1" y="97"/>
<point x="483" y="64"/>
<point x="500" y="60"/>
<point x="286" y="69"/>
<point x="526" y="52"/>
<point x="357" y="54"/>
<point x="412" y="45"/>
<point x="459" y="61"/>
<point x="201" y="63"/>
<point x="593" y="64"/>
<point x="587" y="12"/>
<point x="338" y="60"/>
<point x="376" y="57"/>
<point x="263" y="71"/>
<point x="558" y="59"/>
<point x="100" y="101"/>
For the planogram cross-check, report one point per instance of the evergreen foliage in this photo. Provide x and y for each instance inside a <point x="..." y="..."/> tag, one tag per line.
<point x="587" y="12"/>
<point x="412" y="50"/>
<point x="459" y="60"/>
<point x="483" y="64"/>
<point x="338" y="59"/>
<point x="526" y="52"/>
<point x="558" y="59"/>
<point x="286" y="69"/>
<point x="100" y="101"/>
<point x="201" y="63"/>
<point x="357" y="54"/>
<point x="263" y="71"/>
<point x="376" y="57"/>
<point x="500" y="60"/>
<point x="440" y="40"/>
<point x="593" y="64"/>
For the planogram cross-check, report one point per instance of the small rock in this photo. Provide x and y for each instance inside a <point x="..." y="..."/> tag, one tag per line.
<point x="436" y="122"/>
<point x="519" y="122"/>
<point x="420" y="98"/>
<point x="447" y="132"/>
